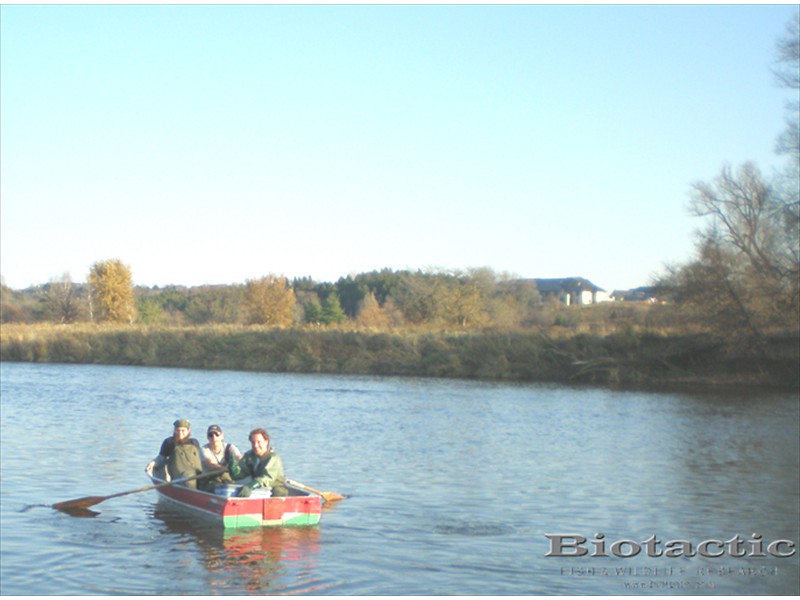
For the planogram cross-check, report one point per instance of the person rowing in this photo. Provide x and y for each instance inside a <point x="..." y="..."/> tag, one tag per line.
<point x="180" y="454"/>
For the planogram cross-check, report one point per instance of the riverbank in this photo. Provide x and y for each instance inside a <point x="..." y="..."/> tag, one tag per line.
<point x="618" y="359"/>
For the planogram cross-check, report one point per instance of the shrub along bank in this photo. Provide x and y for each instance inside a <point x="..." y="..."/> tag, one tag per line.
<point x="617" y="359"/>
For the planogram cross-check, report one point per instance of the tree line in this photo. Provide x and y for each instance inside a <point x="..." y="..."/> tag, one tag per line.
<point x="475" y="298"/>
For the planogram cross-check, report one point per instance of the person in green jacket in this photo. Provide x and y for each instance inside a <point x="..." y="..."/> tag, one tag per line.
<point x="262" y="464"/>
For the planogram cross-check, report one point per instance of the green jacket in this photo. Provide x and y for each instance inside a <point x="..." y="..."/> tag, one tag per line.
<point x="266" y="471"/>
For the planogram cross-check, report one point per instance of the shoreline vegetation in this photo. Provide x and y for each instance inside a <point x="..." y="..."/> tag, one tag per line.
<point x="623" y="358"/>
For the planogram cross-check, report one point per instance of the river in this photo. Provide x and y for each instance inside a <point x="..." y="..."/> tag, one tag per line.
<point x="454" y="486"/>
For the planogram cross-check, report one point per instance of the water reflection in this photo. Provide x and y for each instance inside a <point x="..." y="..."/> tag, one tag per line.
<point x="727" y="455"/>
<point x="250" y="560"/>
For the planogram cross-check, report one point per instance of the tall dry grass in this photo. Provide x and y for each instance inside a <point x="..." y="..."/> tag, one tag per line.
<point x="627" y="354"/>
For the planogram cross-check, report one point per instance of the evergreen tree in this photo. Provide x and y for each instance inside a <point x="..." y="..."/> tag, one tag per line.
<point x="332" y="310"/>
<point x="312" y="312"/>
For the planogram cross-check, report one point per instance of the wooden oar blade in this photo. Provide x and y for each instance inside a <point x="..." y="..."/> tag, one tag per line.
<point x="80" y="512"/>
<point x="332" y="496"/>
<point x="79" y="503"/>
<point x="327" y="496"/>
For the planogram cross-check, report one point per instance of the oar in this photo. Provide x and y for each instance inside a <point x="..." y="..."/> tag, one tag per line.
<point x="86" y="502"/>
<point x="327" y="496"/>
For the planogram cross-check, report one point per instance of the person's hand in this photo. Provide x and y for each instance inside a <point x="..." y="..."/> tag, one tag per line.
<point x="244" y="492"/>
<point x="149" y="468"/>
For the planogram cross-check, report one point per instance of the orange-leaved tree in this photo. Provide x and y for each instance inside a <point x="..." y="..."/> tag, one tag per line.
<point x="269" y="301"/>
<point x="111" y="292"/>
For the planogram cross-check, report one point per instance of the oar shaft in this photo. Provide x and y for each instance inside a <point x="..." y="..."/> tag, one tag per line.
<point x="327" y="496"/>
<point x="173" y="482"/>
<point x="92" y="500"/>
<point x="303" y="486"/>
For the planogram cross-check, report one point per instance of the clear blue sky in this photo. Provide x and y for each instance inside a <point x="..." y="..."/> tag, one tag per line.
<point x="213" y="144"/>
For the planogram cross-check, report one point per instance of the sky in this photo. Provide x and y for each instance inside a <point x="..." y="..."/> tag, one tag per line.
<point x="211" y="144"/>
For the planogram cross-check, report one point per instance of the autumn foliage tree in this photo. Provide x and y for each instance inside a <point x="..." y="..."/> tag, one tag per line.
<point x="269" y="301"/>
<point x="372" y="315"/>
<point x="111" y="292"/>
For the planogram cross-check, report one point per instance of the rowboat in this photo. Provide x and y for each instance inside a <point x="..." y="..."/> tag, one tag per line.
<point x="300" y="508"/>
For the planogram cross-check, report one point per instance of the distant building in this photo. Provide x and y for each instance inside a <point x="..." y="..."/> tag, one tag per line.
<point x="570" y="290"/>
<point x="649" y="294"/>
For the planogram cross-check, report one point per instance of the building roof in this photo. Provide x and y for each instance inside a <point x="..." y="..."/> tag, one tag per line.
<point x="565" y="283"/>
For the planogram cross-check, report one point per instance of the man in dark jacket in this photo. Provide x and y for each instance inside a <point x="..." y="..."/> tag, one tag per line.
<point x="180" y="454"/>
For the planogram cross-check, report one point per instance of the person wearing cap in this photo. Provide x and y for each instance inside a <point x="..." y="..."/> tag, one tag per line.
<point x="262" y="465"/>
<point x="218" y="453"/>
<point x="180" y="454"/>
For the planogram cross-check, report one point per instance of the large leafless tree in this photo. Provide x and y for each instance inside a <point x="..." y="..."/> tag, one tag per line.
<point x="61" y="298"/>
<point x="745" y="278"/>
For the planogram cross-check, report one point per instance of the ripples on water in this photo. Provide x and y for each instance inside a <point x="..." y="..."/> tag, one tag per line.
<point x="453" y="484"/>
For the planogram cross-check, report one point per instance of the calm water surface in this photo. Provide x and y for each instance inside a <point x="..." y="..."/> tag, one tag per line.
<point x="453" y="485"/>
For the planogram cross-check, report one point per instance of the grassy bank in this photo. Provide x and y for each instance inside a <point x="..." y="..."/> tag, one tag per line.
<point x="616" y="359"/>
